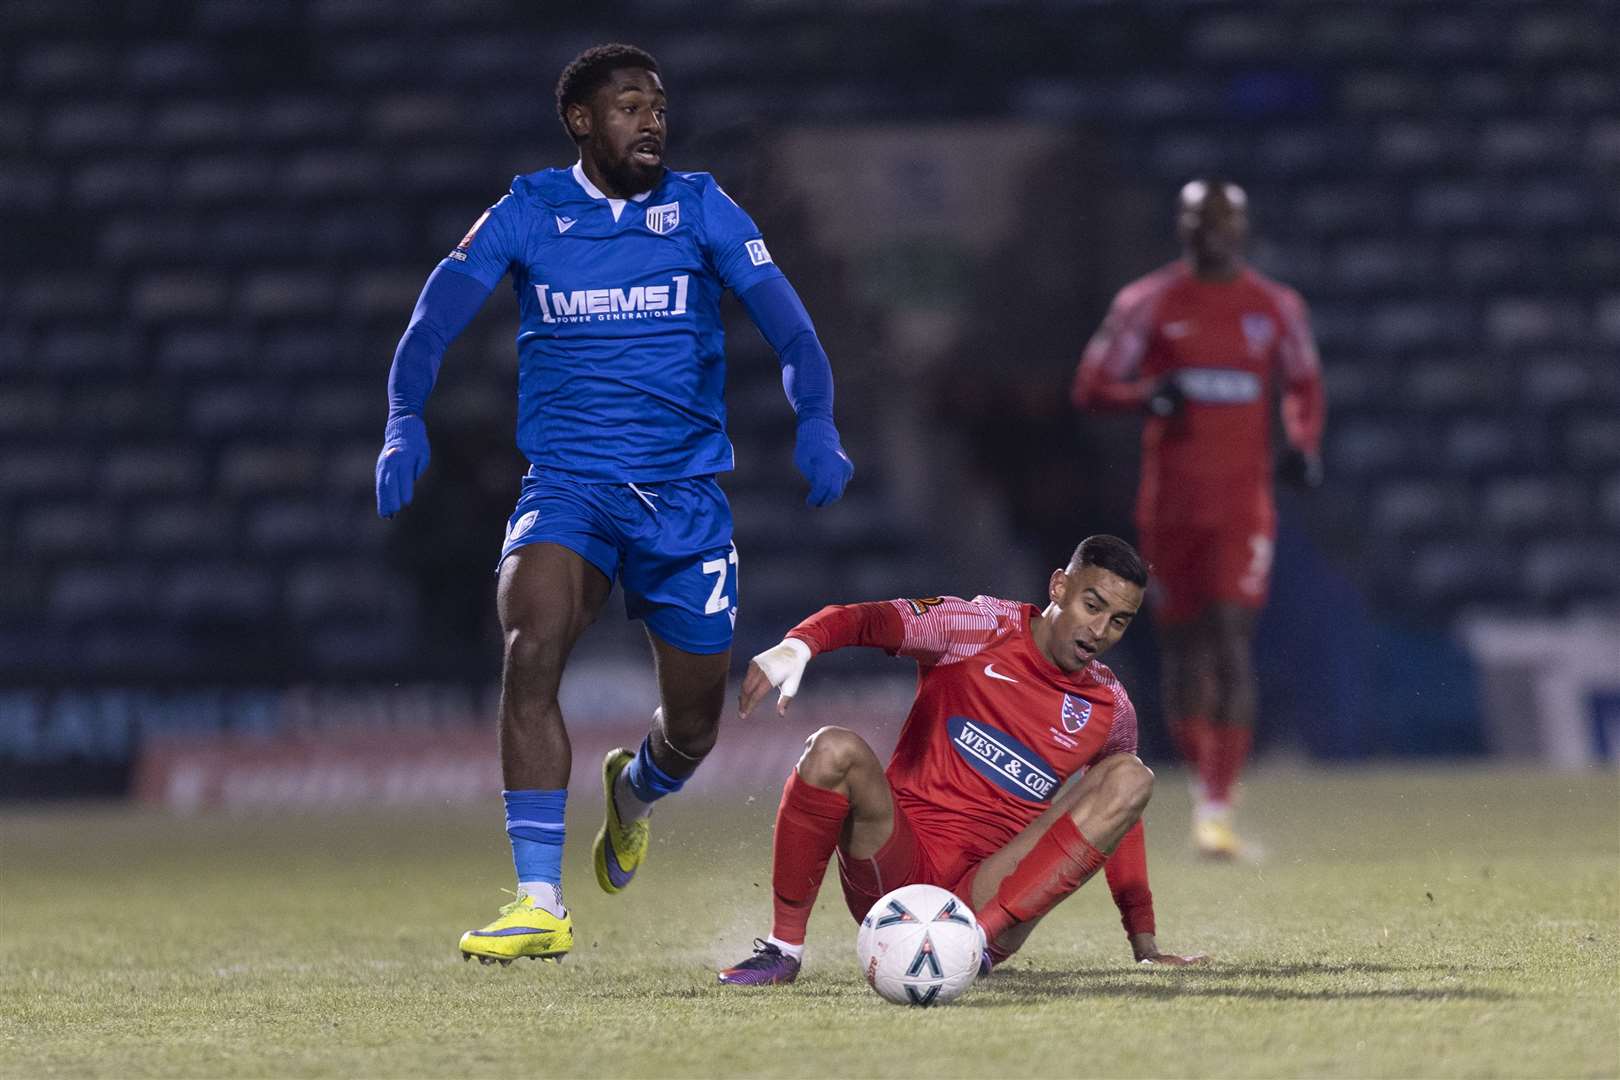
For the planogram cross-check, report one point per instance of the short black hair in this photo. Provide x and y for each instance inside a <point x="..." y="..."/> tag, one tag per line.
<point x="588" y="72"/>
<point x="1111" y="554"/>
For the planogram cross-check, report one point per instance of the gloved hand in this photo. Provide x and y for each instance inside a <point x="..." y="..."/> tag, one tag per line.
<point x="1300" y="470"/>
<point x="404" y="455"/>
<point x="820" y="458"/>
<point x="1166" y="399"/>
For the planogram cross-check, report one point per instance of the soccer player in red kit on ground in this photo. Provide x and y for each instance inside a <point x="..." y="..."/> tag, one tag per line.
<point x="1011" y="702"/>
<point x="1203" y="346"/>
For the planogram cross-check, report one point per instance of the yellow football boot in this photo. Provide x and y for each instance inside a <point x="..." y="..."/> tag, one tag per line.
<point x="522" y="930"/>
<point x="1214" y="837"/>
<point x="620" y="847"/>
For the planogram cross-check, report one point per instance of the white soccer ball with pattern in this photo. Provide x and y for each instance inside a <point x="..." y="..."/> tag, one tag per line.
<point x="919" y="946"/>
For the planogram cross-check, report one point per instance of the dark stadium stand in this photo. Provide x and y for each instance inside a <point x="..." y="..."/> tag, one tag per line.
<point x="219" y="214"/>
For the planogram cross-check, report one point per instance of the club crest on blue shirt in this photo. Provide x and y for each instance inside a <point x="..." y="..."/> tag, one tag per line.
<point x="664" y="219"/>
<point x="1076" y="711"/>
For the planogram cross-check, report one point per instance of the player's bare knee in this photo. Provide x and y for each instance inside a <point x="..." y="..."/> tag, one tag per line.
<point x="830" y="755"/>
<point x="1127" y="785"/>
<point x="1132" y="782"/>
<point x="533" y="660"/>
<point x="691" y="732"/>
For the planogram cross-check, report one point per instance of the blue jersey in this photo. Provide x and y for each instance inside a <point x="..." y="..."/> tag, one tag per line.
<point x="621" y="353"/>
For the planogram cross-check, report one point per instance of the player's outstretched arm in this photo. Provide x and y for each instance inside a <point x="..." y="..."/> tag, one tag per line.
<point x="1146" y="951"/>
<point x="781" y="667"/>
<point x="808" y="382"/>
<point x="836" y="626"/>
<point x="448" y="303"/>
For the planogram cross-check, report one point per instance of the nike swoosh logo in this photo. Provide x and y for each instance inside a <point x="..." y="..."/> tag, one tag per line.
<point x="564" y="223"/>
<point x="990" y="670"/>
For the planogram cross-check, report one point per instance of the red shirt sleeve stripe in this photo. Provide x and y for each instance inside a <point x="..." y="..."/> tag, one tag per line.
<point x="934" y="630"/>
<point x="946" y="629"/>
<point x="1122" y="736"/>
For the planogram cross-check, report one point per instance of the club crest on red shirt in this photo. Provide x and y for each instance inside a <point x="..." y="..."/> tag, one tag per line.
<point x="1076" y="711"/>
<point x="1259" y="330"/>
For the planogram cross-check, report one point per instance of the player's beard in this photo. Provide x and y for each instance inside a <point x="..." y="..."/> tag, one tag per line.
<point x="631" y="177"/>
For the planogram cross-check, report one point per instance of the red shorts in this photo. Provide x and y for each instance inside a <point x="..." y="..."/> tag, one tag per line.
<point x="905" y="859"/>
<point x="1195" y="567"/>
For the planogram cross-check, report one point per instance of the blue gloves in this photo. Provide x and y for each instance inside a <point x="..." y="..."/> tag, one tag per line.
<point x="820" y="458"/>
<point x="808" y="382"/>
<point x="404" y="455"/>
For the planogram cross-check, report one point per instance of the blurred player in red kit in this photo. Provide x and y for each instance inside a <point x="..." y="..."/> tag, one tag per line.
<point x="1203" y="346"/>
<point x="1011" y="702"/>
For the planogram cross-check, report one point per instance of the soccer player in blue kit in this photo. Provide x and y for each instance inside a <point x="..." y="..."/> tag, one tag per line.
<point x="618" y="265"/>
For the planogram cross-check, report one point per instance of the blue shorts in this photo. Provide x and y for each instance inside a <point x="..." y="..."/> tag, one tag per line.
<point x="668" y="544"/>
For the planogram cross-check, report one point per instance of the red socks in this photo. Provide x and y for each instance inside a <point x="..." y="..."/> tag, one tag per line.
<point x="1228" y="750"/>
<point x="809" y="822"/>
<point x="1061" y="861"/>
<point x="1192" y="735"/>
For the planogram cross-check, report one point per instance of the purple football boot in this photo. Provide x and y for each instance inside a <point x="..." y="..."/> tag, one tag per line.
<point x="769" y="966"/>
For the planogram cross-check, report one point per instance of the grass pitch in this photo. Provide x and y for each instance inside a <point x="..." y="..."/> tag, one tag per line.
<point x="1451" y="922"/>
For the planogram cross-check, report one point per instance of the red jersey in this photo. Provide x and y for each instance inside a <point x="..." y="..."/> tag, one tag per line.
<point x="1230" y="345"/>
<point x="995" y="728"/>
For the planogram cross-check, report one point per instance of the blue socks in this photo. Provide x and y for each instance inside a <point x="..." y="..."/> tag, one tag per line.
<point x="534" y="824"/>
<point x="647" y="781"/>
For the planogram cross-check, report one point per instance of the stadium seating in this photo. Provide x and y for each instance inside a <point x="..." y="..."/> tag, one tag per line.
<point x="227" y="209"/>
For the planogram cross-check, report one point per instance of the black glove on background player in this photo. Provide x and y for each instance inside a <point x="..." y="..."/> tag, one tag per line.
<point x="1167" y="398"/>
<point x="1300" y="470"/>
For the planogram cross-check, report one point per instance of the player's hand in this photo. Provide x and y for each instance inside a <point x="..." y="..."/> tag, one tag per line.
<point x="780" y="666"/>
<point x="1298" y="469"/>
<point x="1167" y="398"/>
<point x="821" y="460"/>
<point x="1160" y="959"/>
<point x="404" y="455"/>
<point x="1146" y="951"/>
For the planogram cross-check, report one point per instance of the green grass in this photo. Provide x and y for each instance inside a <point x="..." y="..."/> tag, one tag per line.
<point x="1405" y="923"/>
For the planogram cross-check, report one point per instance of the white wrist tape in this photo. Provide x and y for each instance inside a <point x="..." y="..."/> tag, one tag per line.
<point x="784" y="663"/>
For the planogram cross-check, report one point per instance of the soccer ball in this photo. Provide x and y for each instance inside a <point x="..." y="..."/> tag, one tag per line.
<point x="919" y="945"/>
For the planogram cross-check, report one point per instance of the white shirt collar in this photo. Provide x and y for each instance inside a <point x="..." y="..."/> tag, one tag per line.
<point x="616" y="205"/>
